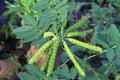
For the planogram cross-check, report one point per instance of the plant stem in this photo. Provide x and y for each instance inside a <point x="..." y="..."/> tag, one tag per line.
<point x="99" y="53"/>
<point x="109" y="68"/>
<point x="63" y="63"/>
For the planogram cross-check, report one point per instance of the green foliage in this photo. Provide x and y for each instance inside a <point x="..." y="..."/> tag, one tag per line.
<point x="37" y="74"/>
<point x="33" y="15"/>
<point x="64" y="72"/>
<point x="110" y="54"/>
<point x="29" y="20"/>
<point x="25" y="76"/>
<point x="111" y="51"/>
<point x="34" y="71"/>
<point x="48" y="25"/>
<point x="114" y="34"/>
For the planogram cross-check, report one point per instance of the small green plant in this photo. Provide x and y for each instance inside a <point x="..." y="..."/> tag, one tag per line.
<point x="56" y="40"/>
<point x="47" y="25"/>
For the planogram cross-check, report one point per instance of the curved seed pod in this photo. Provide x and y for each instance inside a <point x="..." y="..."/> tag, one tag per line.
<point x="77" y="25"/>
<point x="81" y="72"/>
<point x="85" y="45"/>
<point x="63" y="25"/>
<point x="52" y="58"/>
<point x="44" y="66"/>
<point x="48" y="34"/>
<point x="40" y="52"/>
<point x="76" y="33"/>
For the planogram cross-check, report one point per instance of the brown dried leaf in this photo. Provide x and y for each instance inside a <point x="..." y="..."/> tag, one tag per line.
<point x="41" y="60"/>
<point x="6" y="67"/>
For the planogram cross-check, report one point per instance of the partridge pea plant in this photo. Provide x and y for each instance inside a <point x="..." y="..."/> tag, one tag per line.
<point x="44" y="23"/>
<point x="66" y="35"/>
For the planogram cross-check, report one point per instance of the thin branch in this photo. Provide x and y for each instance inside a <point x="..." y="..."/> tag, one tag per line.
<point x="63" y="63"/>
<point x="98" y="54"/>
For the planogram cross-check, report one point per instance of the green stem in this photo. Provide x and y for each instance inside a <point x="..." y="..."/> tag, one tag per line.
<point x="109" y="68"/>
<point x="98" y="53"/>
<point x="63" y="63"/>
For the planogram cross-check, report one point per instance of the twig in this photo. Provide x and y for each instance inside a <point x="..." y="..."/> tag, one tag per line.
<point x="99" y="53"/>
<point x="63" y="63"/>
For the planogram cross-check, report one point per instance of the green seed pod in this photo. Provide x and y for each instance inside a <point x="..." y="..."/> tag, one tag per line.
<point x="44" y="66"/>
<point x="77" y="34"/>
<point x="63" y="26"/>
<point x="81" y="72"/>
<point x="40" y="52"/>
<point x="77" y="25"/>
<point x="48" y="34"/>
<point x="74" y="34"/>
<point x="52" y="58"/>
<point x="85" y="45"/>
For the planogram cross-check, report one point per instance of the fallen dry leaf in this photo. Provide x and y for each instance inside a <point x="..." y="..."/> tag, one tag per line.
<point x="6" y="67"/>
<point x="41" y="60"/>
